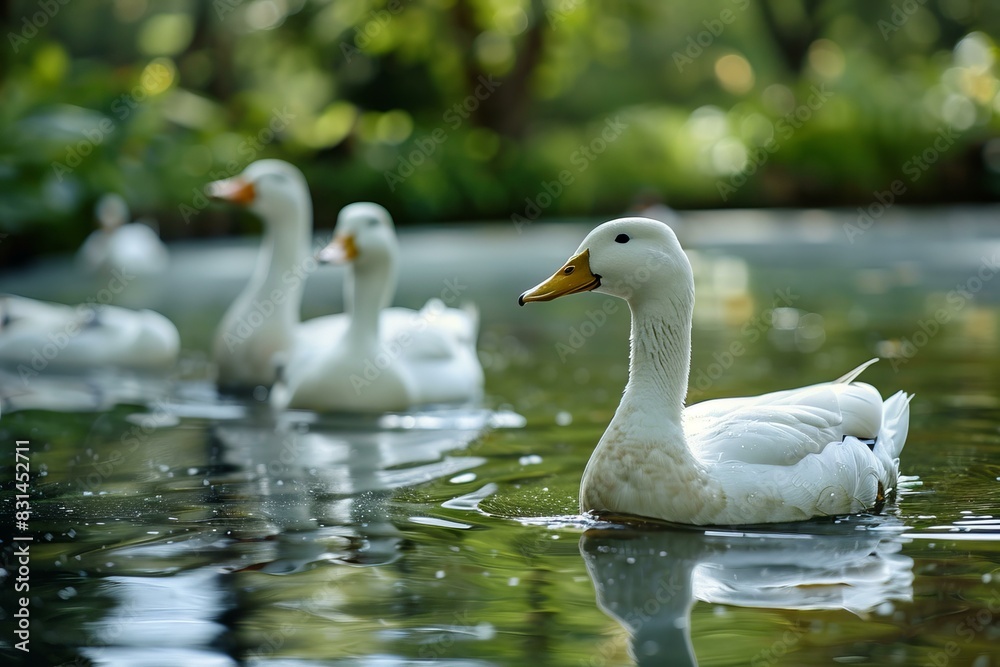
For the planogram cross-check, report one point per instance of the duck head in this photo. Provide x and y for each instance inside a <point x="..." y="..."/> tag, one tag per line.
<point x="112" y="211"/>
<point x="364" y="237"/>
<point x="626" y="258"/>
<point x="273" y="189"/>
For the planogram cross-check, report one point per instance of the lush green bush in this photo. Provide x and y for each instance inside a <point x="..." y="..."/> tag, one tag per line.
<point x="496" y="109"/>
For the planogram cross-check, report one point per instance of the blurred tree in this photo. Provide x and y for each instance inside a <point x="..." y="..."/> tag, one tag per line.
<point x="499" y="109"/>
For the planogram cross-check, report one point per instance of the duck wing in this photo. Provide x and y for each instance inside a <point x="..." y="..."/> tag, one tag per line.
<point x="433" y="332"/>
<point x="781" y="428"/>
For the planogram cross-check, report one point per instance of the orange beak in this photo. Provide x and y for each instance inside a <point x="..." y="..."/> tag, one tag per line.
<point x="574" y="276"/>
<point x="236" y="190"/>
<point x="340" y="251"/>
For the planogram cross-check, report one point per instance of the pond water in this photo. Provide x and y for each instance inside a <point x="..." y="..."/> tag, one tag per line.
<point x="172" y="527"/>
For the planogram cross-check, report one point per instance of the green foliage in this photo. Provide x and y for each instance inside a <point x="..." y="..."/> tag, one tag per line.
<point x="463" y="109"/>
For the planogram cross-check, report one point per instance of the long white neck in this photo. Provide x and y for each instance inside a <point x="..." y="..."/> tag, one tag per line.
<point x="283" y="250"/>
<point x="644" y="446"/>
<point x="660" y="357"/>
<point x="649" y="415"/>
<point x="368" y="289"/>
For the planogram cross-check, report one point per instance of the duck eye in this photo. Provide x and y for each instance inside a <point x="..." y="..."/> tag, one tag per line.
<point x="621" y="238"/>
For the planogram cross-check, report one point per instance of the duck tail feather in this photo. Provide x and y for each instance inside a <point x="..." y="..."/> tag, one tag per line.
<point x="895" y="423"/>
<point x="472" y="311"/>
<point x="852" y="375"/>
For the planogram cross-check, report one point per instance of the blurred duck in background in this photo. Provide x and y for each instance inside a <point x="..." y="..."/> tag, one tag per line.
<point x="262" y="321"/>
<point x="371" y="358"/>
<point x="132" y="248"/>
<point x="38" y="336"/>
<point x="375" y="358"/>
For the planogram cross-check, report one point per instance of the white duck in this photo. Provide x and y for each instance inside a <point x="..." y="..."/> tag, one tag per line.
<point x="132" y="248"/>
<point x="373" y="358"/>
<point x="38" y="336"/>
<point x="784" y="456"/>
<point x="262" y="321"/>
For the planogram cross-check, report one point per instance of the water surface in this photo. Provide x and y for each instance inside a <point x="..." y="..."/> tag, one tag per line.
<point x="172" y="527"/>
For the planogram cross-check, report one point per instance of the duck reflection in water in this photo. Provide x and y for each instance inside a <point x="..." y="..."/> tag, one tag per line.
<point x="324" y="487"/>
<point x="648" y="581"/>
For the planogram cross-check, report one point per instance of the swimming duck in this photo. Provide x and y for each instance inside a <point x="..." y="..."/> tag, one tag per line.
<point x="373" y="358"/>
<point x="39" y="336"/>
<point x="132" y="248"/>
<point x="821" y="450"/>
<point x="262" y="321"/>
